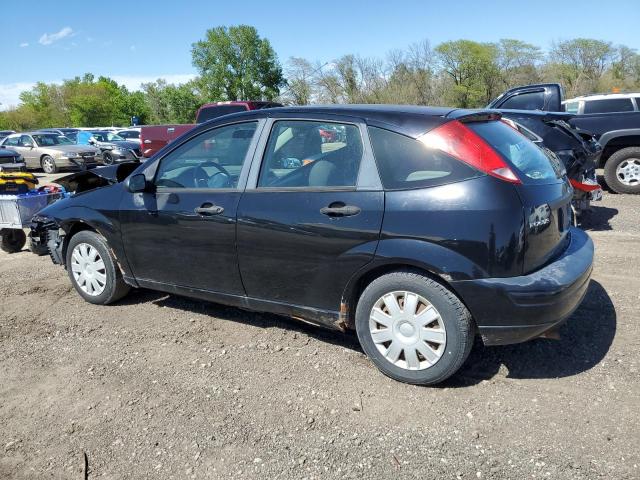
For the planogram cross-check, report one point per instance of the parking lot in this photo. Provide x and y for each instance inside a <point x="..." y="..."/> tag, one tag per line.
<point x="158" y="386"/>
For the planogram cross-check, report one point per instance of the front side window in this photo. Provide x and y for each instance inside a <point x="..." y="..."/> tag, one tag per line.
<point x="608" y="105"/>
<point x="406" y="163"/>
<point x="213" y="159"/>
<point x="525" y="101"/>
<point x="311" y="154"/>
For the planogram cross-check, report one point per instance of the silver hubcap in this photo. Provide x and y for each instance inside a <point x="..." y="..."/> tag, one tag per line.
<point x="628" y="172"/>
<point x="407" y="330"/>
<point x="88" y="269"/>
<point x="48" y="164"/>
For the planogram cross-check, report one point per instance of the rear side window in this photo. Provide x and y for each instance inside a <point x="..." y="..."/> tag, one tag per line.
<point x="571" y="107"/>
<point x="209" y="113"/>
<point x="530" y="161"/>
<point x="638" y="102"/>
<point x="406" y="163"/>
<point x="608" y="105"/>
<point x="525" y="101"/>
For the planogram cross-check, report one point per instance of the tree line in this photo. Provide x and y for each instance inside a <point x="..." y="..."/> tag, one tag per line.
<point x="235" y="63"/>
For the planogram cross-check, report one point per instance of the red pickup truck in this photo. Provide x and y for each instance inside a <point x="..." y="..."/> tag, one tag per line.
<point x="154" y="137"/>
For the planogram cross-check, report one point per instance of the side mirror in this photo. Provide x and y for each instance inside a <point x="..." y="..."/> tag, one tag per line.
<point x="92" y="141"/>
<point x="136" y="183"/>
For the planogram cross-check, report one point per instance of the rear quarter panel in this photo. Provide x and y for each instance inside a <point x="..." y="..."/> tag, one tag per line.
<point x="465" y="230"/>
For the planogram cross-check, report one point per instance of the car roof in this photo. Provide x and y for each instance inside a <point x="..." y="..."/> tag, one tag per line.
<point x="411" y="120"/>
<point x="602" y="96"/>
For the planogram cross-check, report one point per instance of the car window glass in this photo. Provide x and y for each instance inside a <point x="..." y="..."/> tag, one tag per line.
<point x="25" y="140"/>
<point x="525" y="101"/>
<point x="405" y="163"/>
<point x="530" y="160"/>
<point x="12" y="141"/>
<point x="571" y="107"/>
<point x="638" y="102"/>
<point x="608" y="105"/>
<point x="213" y="159"/>
<point x="311" y="154"/>
<point x="215" y="111"/>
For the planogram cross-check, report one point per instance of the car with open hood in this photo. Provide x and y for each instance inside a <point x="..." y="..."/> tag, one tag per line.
<point x="11" y="161"/>
<point x="417" y="227"/>
<point x="51" y="151"/>
<point x="113" y="147"/>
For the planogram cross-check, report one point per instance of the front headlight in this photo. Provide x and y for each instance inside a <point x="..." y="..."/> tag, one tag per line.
<point x="70" y="154"/>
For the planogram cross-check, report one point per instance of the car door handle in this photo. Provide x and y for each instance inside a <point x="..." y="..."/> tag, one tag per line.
<point x="339" y="209"/>
<point x="209" y="209"/>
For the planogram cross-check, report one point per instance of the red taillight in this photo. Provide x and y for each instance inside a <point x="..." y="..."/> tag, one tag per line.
<point x="585" y="187"/>
<point x="462" y="143"/>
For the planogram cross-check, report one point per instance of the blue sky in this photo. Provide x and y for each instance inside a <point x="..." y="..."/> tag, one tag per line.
<point x="137" y="41"/>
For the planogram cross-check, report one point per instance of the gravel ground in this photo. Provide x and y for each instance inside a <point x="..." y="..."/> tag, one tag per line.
<point x="159" y="386"/>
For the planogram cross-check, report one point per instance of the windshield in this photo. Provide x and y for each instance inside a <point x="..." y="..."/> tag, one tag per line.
<point x="49" y="139"/>
<point x="107" y="137"/>
<point x="529" y="159"/>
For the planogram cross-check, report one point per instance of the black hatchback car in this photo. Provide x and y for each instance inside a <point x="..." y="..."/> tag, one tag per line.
<point x="417" y="227"/>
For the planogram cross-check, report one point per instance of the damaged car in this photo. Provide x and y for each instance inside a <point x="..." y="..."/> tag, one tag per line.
<point x="419" y="228"/>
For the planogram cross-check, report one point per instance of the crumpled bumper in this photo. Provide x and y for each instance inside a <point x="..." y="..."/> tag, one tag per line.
<point x="516" y="309"/>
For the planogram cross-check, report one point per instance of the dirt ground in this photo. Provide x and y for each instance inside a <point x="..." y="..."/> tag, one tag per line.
<point x="164" y="387"/>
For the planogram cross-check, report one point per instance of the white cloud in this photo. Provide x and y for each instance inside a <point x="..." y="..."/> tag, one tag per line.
<point x="133" y="82"/>
<point x="48" y="39"/>
<point x="24" y="44"/>
<point x="10" y="92"/>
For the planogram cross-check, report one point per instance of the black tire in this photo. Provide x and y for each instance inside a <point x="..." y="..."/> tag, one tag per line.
<point x="455" y="316"/>
<point x="611" y="166"/>
<point x="39" y="250"/>
<point x="48" y="164"/>
<point x="13" y="240"/>
<point x="115" y="288"/>
<point x="107" y="159"/>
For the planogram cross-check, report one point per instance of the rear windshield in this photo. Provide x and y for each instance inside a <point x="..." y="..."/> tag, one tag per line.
<point x="209" y="113"/>
<point x="531" y="162"/>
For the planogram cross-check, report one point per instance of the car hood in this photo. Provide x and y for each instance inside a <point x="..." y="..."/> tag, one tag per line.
<point x="96" y="177"/>
<point x="8" y="153"/>
<point x="68" y="148"/>
<point x="125" y="144"/>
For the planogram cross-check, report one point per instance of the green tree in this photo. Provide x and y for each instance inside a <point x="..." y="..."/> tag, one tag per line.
<point x="473" y="69"/>
<point x="580" y="63"/>
<point x="236" y="64"/>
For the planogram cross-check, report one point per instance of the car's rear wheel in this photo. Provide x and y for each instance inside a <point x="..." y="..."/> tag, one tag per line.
<point x="92" y="269"/>
<point x="413" y="328"/>
<point x="13" y="240"/>
<point x="622" y="170"/>
<point x="49" y="164"/>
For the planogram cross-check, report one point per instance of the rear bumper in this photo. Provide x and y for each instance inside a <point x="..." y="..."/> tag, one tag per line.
<point x="516" y="309"/>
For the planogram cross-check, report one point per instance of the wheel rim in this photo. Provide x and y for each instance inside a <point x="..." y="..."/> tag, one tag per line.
<point x="106" y="158"/>
<point x="47" y="164"/>
<point x="88" y="269"/>
<point x="407" y="330"/>
<point x="628" y="171"/>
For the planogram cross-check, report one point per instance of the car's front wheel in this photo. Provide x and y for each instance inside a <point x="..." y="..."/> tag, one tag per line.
<point x="49" y="164"/>
<point x="92" y="269"/>
<point x="413" y="328"/>
<point x="107" y="159"/>
<point x="622" y="170"/>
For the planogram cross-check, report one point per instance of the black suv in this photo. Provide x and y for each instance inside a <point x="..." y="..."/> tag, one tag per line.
<point x="417" y="227"/>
